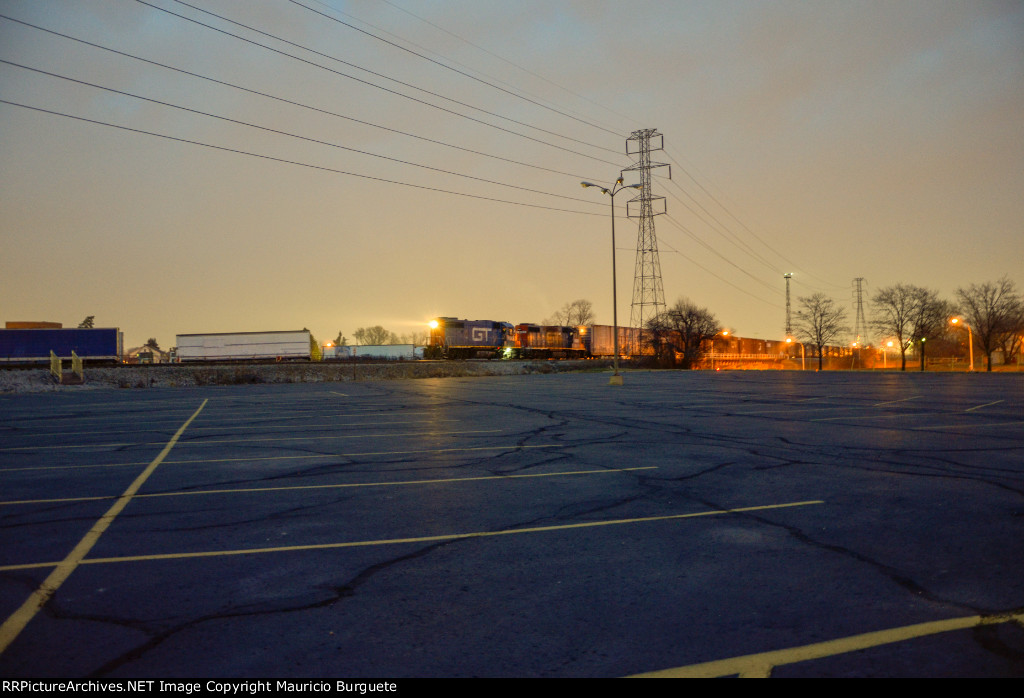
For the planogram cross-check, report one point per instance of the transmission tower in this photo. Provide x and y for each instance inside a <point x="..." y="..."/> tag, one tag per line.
<point x="648" y="292"/>
<point x="860" y="325"/>
<point x="789" y="321"/>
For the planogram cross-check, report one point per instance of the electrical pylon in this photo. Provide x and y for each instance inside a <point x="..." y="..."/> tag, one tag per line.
<point x="789" y="321"/>
<point x="860" y="325"/>
<point x="648" y="292"/>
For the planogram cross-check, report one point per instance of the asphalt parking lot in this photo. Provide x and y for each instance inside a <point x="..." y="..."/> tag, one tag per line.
<point x="737" y="523"/>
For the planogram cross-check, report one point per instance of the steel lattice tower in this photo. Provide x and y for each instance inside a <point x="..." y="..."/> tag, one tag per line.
<point x="648" y="292"/>
<point x="789" y="323"/>
<point x="861" y="324"/>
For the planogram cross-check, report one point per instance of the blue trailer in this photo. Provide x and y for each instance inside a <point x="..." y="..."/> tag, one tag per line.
<point x="35" y="345"/>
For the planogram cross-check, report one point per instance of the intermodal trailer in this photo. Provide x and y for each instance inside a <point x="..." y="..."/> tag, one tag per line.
<point x="600" y="341"/>
<point x="244" y="346"/>
<point x="35" y="345"/>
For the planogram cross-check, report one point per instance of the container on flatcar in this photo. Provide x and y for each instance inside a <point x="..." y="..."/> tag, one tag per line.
<point x="244" y="346"/>
<point x="34" y="345"/>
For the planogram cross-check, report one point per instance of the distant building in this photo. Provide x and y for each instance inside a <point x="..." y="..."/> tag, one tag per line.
<point x="33" y="325"/>
<point x="146" y="355"/>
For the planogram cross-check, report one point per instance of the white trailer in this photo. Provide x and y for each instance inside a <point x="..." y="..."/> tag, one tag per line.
<point x="243" y="346"/>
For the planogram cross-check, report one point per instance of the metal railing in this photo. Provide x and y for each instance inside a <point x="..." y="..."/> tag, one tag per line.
<point x="56" y="370"/>
<point x="76" y="366"/>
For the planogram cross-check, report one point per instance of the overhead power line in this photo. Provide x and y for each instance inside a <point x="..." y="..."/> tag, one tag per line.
<point x="745" y="227"/>
<point x="481" y="49"/>
<point x="446" y="67"/>
<point x="295" y="162"/>
<point x="380" y="75"/>
<point x="289" y="101"/>
<point x="294" y="135"/>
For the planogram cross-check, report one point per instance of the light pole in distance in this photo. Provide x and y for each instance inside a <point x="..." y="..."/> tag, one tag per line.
<point x="615" y="189"/>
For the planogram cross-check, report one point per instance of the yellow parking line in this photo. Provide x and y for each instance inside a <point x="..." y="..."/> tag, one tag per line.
<point x="185" y="493"/>
<point x="987" y="404"/>
<point x="510" y="447"/>
<point x="901" y="415"/>
<point x="13" y="626"/>
<point x="268" y="427"/>
<point x="893" y="402"/>
<point x="251" y="440"/>
<point x="971" y="426"/>
<point x="418" y="539"/>
<point x="785" y="411"/>
<point x="761" y="665"/>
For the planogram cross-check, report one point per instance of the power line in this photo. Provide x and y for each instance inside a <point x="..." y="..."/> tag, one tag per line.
<point x="720" y="278"/>
<point x="744" y="225"/>
<point x="721" y="229"/>
<point x="294" y="162"/>
<point x="379" y="87"/>
<point x="289" y="101"/>
<point x="294" y="135"/>
<point x="446" y="67"/>
<point x="711" y="249"/>
<point x="484" y="50"/>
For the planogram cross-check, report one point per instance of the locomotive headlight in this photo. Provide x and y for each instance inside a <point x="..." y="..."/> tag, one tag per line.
<point x="433" y="324"/>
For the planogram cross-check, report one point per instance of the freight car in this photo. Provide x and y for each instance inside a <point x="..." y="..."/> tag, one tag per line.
<point x="599" y="341"/>
<point x="548" y="342"/>
<point x="245" y="346"/>
<point x="451" y="338"/>
<point x="25" y="346"/>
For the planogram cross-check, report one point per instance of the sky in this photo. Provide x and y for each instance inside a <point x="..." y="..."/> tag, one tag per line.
<point x="335" y="165"/>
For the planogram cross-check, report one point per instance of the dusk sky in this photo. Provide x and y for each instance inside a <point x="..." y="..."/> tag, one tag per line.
<point x="834" y="140"/>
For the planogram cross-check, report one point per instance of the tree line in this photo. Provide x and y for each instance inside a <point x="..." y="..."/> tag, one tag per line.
<point x="910" y="315"/>
<point x="914" y="315"/>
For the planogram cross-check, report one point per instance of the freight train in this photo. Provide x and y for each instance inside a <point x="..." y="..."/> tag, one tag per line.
<point x="452" y="338"/>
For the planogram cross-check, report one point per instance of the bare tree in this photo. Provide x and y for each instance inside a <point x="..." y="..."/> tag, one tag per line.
<point x="931" y="321"/>
<point x="819" y="321"/>
<point x="152" y="344"/>
<point x="417" y="338"/>
<point x="579" y="312"/>
<point x="375" y="335"/>
<point x="341" y="340"/>
<point x="908" y="313"/>
<point x="682" y="330"/>
<point x="892" y="310"/>
<point x="992" y="310"/>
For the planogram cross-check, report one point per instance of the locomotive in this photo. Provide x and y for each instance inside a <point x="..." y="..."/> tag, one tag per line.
<point x="452" y="338"/>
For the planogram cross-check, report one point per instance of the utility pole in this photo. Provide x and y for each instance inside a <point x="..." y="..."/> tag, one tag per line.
<point x="789" y="320"/>
<point x="648" y="292"/>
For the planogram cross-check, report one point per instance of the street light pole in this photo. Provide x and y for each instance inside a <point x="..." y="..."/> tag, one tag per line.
<point x="970" y="340"/>
<point x="615" y="189"/>
<point x="803" y="357"/>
